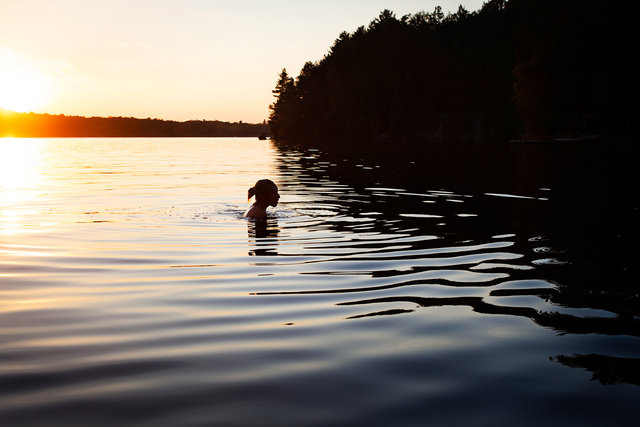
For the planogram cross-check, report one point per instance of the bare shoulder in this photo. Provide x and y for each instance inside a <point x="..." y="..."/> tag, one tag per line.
<point x="255" y="212"/>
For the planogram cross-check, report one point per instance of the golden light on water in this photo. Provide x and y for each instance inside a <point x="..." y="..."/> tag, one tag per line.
<point x="20" y="162"/>
<point x="20" y="175"/>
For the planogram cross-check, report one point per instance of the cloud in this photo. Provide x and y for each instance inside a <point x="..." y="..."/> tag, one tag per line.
<point x="66" y="69"/>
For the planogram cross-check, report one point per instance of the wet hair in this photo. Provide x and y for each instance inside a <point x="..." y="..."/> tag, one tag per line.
<point x="261" y="187"/>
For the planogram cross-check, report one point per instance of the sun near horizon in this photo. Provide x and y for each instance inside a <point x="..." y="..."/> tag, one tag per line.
<point x="186" y="60"/>
<point x="23" y="88"/>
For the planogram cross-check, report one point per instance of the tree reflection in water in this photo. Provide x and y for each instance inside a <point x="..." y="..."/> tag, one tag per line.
<point x="567" y="213"/>
<point x="606" y="370"/>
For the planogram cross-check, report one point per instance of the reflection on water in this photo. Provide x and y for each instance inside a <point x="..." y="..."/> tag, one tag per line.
<point x="20" y="176"/>
<point x="263" y="235"/>
<point x="606" y="370"/>
<point x="382" y="291"/>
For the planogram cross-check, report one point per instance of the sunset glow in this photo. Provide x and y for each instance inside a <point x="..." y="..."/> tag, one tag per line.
<point x="173" y="60"/>
<point x="22" y="88"/>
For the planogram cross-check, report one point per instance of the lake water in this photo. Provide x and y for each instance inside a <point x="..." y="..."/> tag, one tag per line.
<point x="384" y="290"/>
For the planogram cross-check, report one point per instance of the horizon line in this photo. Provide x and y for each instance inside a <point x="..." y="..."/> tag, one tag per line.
<point x="4" y="111"/>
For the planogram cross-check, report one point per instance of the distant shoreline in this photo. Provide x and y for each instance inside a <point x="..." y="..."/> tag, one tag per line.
<point x="42" y="125"/>
<point x="116" y="137"/>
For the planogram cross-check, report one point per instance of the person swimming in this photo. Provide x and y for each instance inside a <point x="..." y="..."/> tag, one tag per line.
<point x="266" y="193"/>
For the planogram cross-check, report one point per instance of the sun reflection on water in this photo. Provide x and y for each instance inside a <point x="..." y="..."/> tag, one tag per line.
<point x="21" y="162"/>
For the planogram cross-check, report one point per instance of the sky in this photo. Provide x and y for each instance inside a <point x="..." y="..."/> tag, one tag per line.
<point x="174" y="60"/>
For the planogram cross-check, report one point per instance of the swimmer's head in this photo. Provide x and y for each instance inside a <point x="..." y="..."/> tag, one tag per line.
<point x="265" y="191"/>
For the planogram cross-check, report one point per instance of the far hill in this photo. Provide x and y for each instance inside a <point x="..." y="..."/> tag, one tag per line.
<point x="48" y="125"/>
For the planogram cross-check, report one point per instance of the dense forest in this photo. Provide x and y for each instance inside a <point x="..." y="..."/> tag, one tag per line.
<point x="47" y="125"/>
<point x="535" y="69"/>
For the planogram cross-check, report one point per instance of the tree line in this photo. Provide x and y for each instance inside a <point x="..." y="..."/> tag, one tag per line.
<point x="47" y="125"/>
<point x="519" y="68"/>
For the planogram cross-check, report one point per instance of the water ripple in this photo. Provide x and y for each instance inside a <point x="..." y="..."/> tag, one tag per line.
<point x="129" y="297"/>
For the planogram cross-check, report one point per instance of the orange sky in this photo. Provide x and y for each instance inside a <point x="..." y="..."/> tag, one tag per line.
<point x="178" y="60"/>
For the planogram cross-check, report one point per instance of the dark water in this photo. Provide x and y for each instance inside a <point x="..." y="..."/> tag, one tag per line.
<point x="430" y="289"/>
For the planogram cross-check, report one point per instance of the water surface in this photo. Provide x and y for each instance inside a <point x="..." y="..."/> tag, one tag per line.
<point x="380" y="291"/>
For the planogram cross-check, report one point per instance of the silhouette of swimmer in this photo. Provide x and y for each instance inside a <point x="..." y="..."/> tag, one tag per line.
<point x="266" y="193"/>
